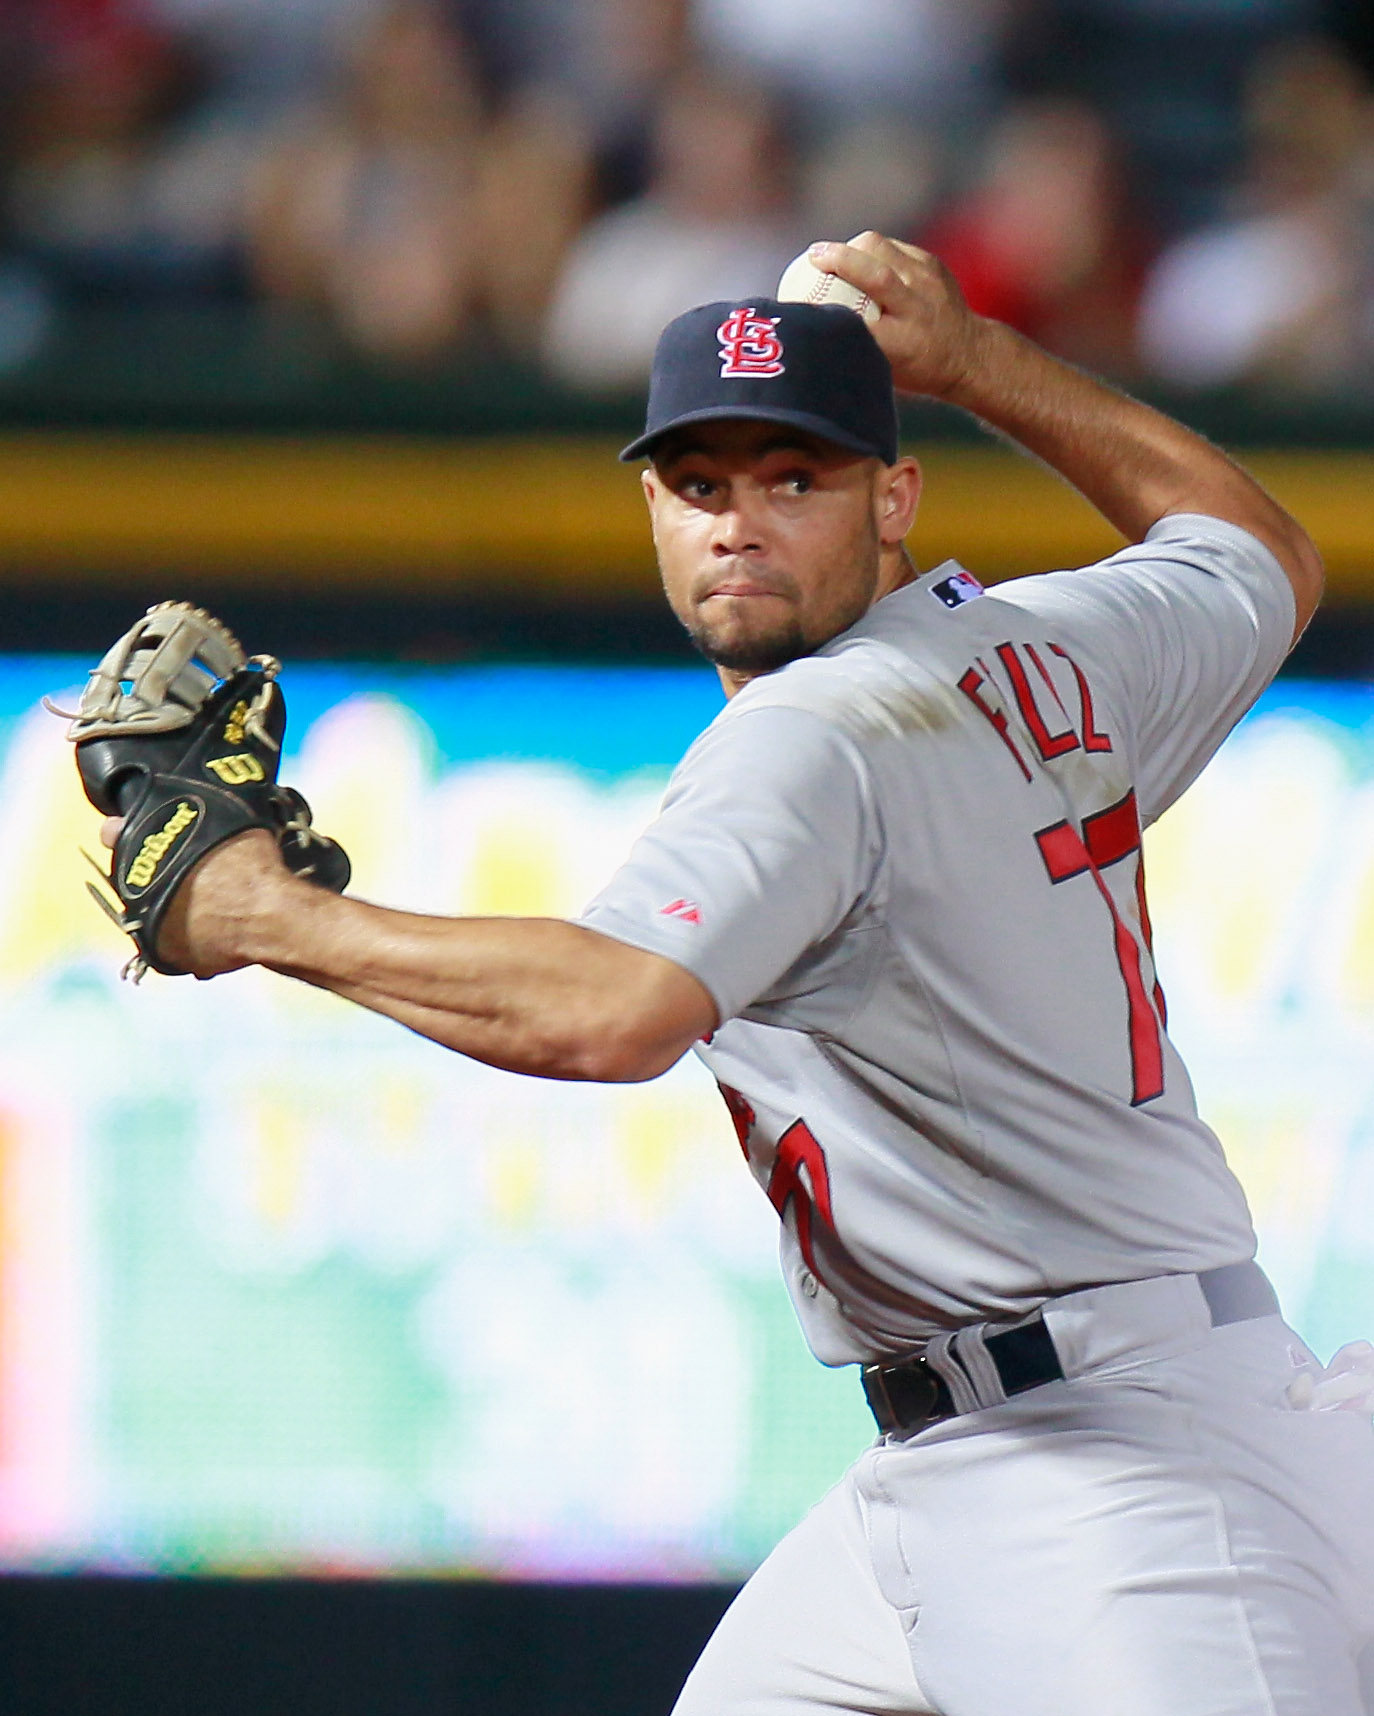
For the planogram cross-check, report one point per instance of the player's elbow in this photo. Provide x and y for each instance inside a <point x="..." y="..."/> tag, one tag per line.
<point x="584" y="1047"/>
<point x="1306" y="573"/>
<point x="638" y="1029"/>
<point x="626" y="1061"/>
<point x="629" y="1051"/>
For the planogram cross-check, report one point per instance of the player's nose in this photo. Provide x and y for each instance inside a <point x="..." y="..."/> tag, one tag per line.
<point x="739" y="526"/>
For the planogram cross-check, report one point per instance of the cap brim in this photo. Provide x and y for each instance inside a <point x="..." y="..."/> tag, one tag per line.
<point x="812" y="424"/>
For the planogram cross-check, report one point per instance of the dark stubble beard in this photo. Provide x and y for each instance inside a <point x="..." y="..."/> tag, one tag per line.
<point x="757" y="655"/>
<point x="788" y="642"/>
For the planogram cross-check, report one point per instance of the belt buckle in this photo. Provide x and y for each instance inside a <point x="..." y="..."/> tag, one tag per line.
<point x="917" y="1393"/>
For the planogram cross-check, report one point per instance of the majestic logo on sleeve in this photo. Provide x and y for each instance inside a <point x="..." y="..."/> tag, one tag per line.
<point x="749" y="344"/>
<point x="685" y="911"/>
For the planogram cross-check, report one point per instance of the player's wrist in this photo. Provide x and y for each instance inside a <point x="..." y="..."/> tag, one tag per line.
<point x="206" y="927"/>
<point x="275" y="911"/>
<point x="979" y="374"/>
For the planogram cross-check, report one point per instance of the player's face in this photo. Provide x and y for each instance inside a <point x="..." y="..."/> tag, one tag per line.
<point x="770" y="541"/>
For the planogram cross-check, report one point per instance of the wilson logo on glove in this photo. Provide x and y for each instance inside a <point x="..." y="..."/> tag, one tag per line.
<point x="175" y="687"/>
<point x="156" y="847"/>
<point x="236" y="771"/>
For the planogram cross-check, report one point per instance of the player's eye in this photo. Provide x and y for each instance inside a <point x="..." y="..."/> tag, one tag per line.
<point x="798" y="482"/>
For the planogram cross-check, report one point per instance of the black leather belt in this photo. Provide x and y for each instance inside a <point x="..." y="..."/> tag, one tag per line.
<point x="909" y="1395"/>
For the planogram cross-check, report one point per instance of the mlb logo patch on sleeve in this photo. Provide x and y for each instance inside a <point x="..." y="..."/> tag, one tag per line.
<point x="957" y="589"/>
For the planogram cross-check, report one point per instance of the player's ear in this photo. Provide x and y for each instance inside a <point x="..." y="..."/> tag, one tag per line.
<point x="652" y="485"/>
<point x="898" y="496"/>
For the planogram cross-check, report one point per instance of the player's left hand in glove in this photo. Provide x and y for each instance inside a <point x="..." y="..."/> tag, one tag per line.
<point x="179" y="735"/>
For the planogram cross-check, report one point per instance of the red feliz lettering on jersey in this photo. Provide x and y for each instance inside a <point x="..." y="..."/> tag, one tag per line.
<point x="971" y="684"/>
<point x="1092" y="739"/>
<point x="1050" y="745"/>
<point x="749" y="344"/>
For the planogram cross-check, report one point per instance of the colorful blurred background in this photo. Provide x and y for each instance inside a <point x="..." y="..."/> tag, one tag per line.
<point x="335" y="1372"/>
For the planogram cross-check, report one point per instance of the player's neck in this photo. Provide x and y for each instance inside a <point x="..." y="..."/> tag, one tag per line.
<point x="895" y="569"/>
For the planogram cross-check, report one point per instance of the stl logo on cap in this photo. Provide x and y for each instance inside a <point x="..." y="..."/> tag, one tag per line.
<point x="749" y="344"/>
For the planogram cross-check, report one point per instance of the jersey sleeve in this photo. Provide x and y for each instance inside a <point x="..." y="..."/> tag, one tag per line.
<point x="767" y="840"/>
<point x="1185" y="629"/>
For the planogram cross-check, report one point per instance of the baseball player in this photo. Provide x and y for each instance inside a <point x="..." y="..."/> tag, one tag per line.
<point x="895" y="901"/>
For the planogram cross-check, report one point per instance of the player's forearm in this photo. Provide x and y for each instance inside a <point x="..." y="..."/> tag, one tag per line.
<point x="531" y="995"/>
<point x="1133" y="463"/>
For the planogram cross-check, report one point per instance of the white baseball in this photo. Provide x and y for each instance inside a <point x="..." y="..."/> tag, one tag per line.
<point x="803" y="283"/>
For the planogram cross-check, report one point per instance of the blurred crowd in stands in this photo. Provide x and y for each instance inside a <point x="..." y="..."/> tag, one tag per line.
<point x="1172" y="192"/>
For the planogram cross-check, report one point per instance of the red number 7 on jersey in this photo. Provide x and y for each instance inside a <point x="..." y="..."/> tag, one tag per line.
<point x="1108" y="837"/>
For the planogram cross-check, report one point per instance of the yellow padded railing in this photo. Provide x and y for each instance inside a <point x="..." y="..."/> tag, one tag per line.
<point x="551" y="514"/>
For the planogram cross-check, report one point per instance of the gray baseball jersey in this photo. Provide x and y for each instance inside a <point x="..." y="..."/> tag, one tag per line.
<point x="908" y="870"/>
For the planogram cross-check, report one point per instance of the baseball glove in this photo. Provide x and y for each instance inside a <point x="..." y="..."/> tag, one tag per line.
<point x="180" y="734"/>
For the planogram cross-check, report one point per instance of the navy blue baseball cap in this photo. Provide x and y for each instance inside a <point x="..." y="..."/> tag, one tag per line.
<point x="813" y="366"/>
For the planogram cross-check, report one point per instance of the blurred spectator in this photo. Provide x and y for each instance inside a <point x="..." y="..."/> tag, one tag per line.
<point x="115" y="185"/>
<point x="266" y="54"/>
<point x="364" y="206"/>
<point x="846" y="64"/>
<point x="613" y="59"/>
<point x="881" y="174"/>
<point x="1171" y="73"/>
<point x="534" y="191"/>
<point x="1044" y="238"/>
<point x="714" y="223"/>
<point x="1282" y="295"/>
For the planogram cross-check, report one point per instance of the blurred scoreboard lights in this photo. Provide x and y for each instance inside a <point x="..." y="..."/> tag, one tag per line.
<point x="283" y="1287"/>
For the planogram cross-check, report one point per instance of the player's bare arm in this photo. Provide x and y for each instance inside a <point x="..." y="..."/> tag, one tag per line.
<point x="1133" y="463"/>
<point x="531" y="995"/>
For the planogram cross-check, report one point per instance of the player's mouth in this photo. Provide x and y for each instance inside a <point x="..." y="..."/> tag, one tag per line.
<point x="738" y="586"/>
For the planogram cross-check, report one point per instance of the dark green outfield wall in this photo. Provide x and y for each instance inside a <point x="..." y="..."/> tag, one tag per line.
<point x="125" y="1647"/>
<point x="114" y="1647"/>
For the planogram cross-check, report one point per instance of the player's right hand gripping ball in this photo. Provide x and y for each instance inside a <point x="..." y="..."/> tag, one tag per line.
<point x="180" y="734"/>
